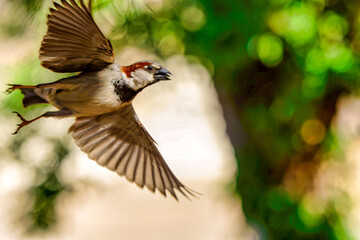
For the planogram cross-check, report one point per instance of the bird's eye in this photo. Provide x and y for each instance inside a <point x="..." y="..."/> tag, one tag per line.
<point x="149" y="67"/>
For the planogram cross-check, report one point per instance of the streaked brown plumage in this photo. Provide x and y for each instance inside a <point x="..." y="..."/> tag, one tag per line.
<point x="73" y="42"/>
<point x="106" y="127"/>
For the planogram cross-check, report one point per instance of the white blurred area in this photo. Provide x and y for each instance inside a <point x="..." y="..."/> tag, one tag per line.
<point x="344" y="175"/>
<point x="185" y="118"/>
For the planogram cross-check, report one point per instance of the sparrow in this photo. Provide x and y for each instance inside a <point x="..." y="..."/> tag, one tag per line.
<point x="100" y="98"/>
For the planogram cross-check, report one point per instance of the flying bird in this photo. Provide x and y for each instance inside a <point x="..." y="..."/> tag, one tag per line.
<point x="100" y="98"/>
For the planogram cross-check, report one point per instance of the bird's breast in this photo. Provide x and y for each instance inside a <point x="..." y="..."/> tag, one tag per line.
<point x="95" y="95"/>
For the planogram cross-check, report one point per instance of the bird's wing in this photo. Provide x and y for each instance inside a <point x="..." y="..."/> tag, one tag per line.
<point x="73" y="42"/>
<point x="118" y="141"/>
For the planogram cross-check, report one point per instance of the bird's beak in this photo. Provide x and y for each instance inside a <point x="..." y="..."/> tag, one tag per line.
<point x="162" y="74"/>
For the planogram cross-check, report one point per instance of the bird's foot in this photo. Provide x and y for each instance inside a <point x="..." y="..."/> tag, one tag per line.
<point x="12" y="87"/>
<point x="23" y="124"/>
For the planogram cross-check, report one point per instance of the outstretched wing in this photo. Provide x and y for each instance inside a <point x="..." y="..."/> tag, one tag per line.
<point x="73" y="42"/>
<point x="118" y="141"/>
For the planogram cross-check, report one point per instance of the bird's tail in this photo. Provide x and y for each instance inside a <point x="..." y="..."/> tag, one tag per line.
<point x="30" y="96"/>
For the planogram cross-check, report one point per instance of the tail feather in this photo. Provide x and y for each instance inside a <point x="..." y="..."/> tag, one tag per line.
<point x="30" y="97"/>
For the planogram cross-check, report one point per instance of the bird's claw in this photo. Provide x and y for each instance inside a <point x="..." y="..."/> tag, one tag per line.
<point x="19" y="116"/>
<point x="21" y="125"/>
<point x="11" y="88"/>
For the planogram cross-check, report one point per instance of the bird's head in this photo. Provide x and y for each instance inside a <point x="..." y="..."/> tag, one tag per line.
<point x="142" y="74"/>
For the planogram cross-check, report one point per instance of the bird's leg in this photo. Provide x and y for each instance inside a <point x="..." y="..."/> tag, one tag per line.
<point x="13" y="87"/>
<point x="24" y="122"/>
<point x="57" y="85"/>
<point x="61" y="113"/>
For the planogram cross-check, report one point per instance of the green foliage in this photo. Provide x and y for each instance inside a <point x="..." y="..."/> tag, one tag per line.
<point x="44" y="194"/>
<point x="281" y="65"/>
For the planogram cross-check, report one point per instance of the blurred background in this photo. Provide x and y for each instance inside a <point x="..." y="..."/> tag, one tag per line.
<point x="261" y="117"/>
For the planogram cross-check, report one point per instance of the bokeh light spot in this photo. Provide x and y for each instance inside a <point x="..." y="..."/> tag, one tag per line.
<point x="316" y="61"/>
<point x="310" y="212"/>
<point x="270" y="50"/>
<point x="313" y="86"/>
<point x="312" y="131"/>
<point x="332" y="26"/>
<point x="340" y="58"/>
<point x="278" y="22"/>
<point x="302" y="24"/>
<point x="282" y="109"/>
<point x="192" y="18"/>
<point x="296" y="23"/>
<point x="171" y="45"/>
<point x="314" y="81"/>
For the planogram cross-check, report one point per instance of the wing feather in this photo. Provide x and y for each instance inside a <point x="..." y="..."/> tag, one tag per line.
<point x="114" y="161"/>
<point x="139" y="171"/>
<point x="108" y="153"/>
<point x="124" y="159"/>
<point x="159" y="183"/>
<point x="73" y="42"/>
<point x="149" y="180"/>
<point x="130" y="166"/>
<point x="119" y="142"/>
<point x="100" y="146"/>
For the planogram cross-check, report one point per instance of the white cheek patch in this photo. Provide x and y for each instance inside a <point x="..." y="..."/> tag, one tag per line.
<point x="139" y="79"/>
